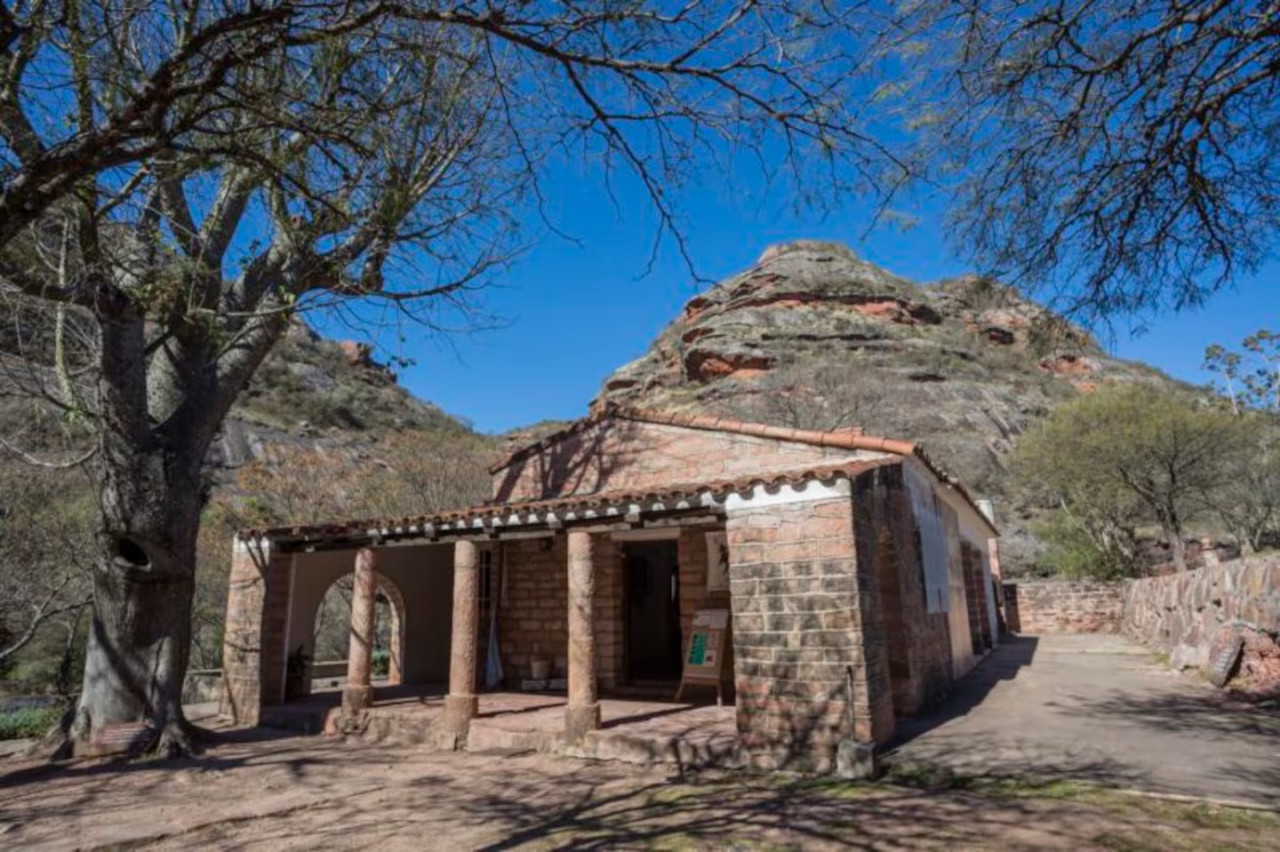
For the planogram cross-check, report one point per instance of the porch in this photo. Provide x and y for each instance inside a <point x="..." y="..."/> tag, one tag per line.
<point x="633" y="730"/>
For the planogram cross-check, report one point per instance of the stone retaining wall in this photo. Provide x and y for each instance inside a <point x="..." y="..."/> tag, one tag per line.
<point x="1182" y="614"/>
<point x="1054" y="606"/>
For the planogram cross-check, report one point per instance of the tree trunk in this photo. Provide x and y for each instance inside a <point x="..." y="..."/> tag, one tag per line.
<point x="1177" y="547"/>
<point x="150" y="496"/>
<point x="139" y="638"/>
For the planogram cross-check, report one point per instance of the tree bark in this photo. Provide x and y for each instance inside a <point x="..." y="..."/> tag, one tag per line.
<point x="140" y="636"/>
<point x="144" y="575"/>
<point x="1177" y="547"/>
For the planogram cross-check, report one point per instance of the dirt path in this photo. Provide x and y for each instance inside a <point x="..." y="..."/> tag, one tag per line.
<point x="314" y="793"/>
<point x="1100" y="708"/>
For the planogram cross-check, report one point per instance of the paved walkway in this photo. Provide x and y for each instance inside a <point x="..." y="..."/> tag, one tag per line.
<point x="1100" y="708"/>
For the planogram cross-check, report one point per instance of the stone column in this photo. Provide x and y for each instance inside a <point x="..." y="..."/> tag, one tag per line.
<point x="461" y="703"/>
<point x="358" y="694"/>
<point x="583" y="713"/>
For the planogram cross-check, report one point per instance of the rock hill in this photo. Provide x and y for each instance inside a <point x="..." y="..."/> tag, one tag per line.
<point x="812" y="336"/>
<point x="313" y="392"/>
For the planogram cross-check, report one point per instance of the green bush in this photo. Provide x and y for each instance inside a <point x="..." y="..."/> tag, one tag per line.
<point x="28" y="722"/>
<point x="381" y="660"/>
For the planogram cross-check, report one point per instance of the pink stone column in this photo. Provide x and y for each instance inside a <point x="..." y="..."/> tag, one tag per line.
<point x="461" y="703"/>
<point x="583" y="713"/>
<point x="358" y="694"/>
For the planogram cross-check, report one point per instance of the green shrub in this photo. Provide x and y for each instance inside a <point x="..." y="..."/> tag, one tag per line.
<point x="381" y="660"/>
<point x="28" y="722"/>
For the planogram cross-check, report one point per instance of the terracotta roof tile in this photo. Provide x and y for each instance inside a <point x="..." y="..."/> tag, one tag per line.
<point x="666" y="494"/>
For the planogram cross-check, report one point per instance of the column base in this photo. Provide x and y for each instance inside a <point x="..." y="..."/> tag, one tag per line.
<point x="580" y="719"/>
<point x="356" y="698"/>
<point x="459" y="710"/>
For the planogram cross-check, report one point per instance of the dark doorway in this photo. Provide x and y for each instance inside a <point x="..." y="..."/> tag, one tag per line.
<point x="653" y="611"/>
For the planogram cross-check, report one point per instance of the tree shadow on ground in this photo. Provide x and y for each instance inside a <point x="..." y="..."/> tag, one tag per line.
<point x="1198" y="712"/>
<point x="1004" y="663"/>
<point x="318" y="793"/>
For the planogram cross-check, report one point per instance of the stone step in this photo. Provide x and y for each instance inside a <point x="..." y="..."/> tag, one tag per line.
<point x="715" y="753"/>
<point x="485" y="736"/>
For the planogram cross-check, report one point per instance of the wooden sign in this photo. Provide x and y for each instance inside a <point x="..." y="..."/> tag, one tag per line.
<point x="707" y="651"/>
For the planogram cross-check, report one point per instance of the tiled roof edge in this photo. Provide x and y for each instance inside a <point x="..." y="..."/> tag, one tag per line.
<point x="721" y="487"/>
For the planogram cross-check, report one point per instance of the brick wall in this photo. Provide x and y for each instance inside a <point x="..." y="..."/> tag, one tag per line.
<point x="802" y="614"/>
<point x="919" y="642"/>
<point x="253" y="653"/>
<point x="1056" y="606"/>
<point x="616" y="455"/>
<point x="1181" y="614"/>
<point x="976" y="595"/>
<point x="692" y="555"/>
<point x="534" y="620"/>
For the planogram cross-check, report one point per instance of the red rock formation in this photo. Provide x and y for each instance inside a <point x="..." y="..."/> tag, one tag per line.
<point x="357" y="354"/>
<point x="1069" y="364"/>
<point x="710" y="366"/>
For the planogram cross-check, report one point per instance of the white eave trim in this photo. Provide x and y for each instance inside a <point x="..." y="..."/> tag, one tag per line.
<point x="807" y="491"/>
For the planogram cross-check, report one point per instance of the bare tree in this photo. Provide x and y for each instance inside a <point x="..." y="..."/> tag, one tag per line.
<point x="1247" y="495"/>
<point x="1123" y="155"/>
<point x="826" y="398"/>
<point x="187" y="176"/>
<point x="45" y="551"/>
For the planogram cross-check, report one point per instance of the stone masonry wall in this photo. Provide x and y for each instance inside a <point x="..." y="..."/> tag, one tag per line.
<point x="919" y="642"/>
<point x="803" y="614"/>
<point x="614" y="455"/>
<point x="1056" y="606"/>
<point x="253" y="654"/>
<point x="1182" y="614"/>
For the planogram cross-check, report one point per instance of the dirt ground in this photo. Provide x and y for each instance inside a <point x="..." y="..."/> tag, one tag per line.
<point x="253" y="791"/>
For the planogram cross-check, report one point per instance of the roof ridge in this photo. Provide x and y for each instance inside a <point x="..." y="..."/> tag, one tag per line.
<point x="849" y="438"/>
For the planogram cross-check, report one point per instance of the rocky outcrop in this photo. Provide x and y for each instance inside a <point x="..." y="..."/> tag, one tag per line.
<point x="815" y="336"/>
<point x="316" y="393"/>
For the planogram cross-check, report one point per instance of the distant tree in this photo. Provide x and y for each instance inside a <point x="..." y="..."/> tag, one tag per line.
<point x="1127" y="448"/>
<point x="1249" y="378"/>
<point x="1122" y="154"/>
<point x="400" y="475"/>
<point x="183" y="177"/>
<point x="1092" y="520"/>
<point x="1247" y="497"/>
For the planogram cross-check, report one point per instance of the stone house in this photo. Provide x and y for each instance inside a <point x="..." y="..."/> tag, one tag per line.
<point x="855" y="572"/>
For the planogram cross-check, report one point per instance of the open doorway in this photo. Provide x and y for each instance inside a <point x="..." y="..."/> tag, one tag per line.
<point x="653" y="612"/>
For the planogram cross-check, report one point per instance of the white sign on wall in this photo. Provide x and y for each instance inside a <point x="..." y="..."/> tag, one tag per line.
<point x="717" y="562"/>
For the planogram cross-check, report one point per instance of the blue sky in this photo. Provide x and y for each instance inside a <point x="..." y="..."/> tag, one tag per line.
<point x="574" y="312"/>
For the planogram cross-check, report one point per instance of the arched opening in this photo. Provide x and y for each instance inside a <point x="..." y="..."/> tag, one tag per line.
<point x="331" y="631"/>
